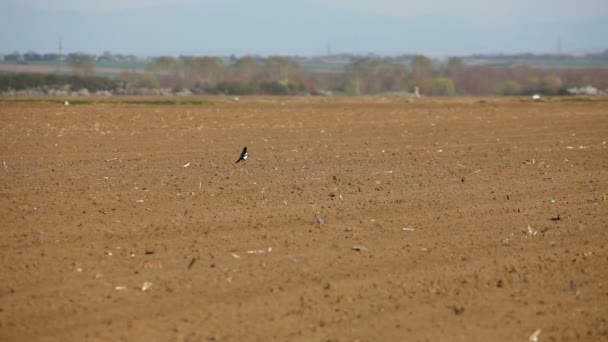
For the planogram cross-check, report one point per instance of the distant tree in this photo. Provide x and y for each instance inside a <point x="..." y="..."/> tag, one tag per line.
<point x="353" y="85"/>
<point x="201" y="72"/>
<point x="455" y="67"/>
<point x="132" y="80"/>
<point x="278" y="68"/>
<point x="440" y="86"/>
<point x="166" y="69"/>
<point x="82" y="65"/>
<point x="32" y="56"/>
<point x="551" y="84"/>
<point x="246" y="68"/>
<point x="164" y="64"/>
<point x="328" y="82"/>
<point x="276" y="88"/>
<point x="422" y="69"/>
<point x="106" y="56"/>
<point x="234" y="88"/>
<point x="16" y="56"/>
<point x="531" y="85"/>
<point x="373" y="76"/>
<point x="283" y="88"/>
<point x="211" y="67"/>
<point x="510" y="88"/>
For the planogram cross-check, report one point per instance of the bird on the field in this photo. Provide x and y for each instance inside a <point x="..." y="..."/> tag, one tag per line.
<point x="243" y="155"/>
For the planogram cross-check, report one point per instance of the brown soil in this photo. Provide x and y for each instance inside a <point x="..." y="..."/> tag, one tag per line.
<point x="450" y="202"/>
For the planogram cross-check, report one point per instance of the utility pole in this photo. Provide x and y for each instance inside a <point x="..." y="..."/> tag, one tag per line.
<point x="60" y="57"/>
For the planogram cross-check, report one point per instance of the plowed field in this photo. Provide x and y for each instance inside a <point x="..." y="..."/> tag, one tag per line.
<point x="352" y="220"/>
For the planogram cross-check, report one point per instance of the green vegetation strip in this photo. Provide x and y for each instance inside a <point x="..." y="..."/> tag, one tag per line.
<point x="129" y="102"/>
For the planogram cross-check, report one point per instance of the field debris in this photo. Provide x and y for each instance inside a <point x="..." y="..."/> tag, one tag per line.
<point x="260" y="251"/>
<point x="187" y="164"/>
<point x="530" y="231"/>
<point x="319" y="220"/>
<point x="120" y="288"/>
<point x="534" y="336"/>
<point x="145" y="286"/>
<point x="408" y="229"/>
<point x="359" y="248"/>
<point x="236" y="256"/>
<point x="191" y="263"/>
<point x="556" y="218"/>
<point x="575" y="289"/>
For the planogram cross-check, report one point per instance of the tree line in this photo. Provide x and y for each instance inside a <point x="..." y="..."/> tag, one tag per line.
<point x="279" y="75"/>
<point x="369" y="76"/>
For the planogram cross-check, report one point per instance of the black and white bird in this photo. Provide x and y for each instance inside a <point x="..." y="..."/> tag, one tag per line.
<point x="244" y="155"/>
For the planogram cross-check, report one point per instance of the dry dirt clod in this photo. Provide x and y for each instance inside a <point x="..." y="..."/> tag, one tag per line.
<point x="145" y="286"/>
<point x="458" y="310"/>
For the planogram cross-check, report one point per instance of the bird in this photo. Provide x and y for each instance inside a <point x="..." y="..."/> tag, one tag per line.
<point x="243" y="155"/>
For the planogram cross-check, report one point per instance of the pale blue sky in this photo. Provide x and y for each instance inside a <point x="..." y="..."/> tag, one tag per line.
<point x="303" y="27"/>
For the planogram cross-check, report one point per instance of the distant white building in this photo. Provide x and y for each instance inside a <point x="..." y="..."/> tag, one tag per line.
<point x="588" y="90"/>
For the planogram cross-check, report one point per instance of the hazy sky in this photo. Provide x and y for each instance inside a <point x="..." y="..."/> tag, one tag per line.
<point x="304" y="27"/>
